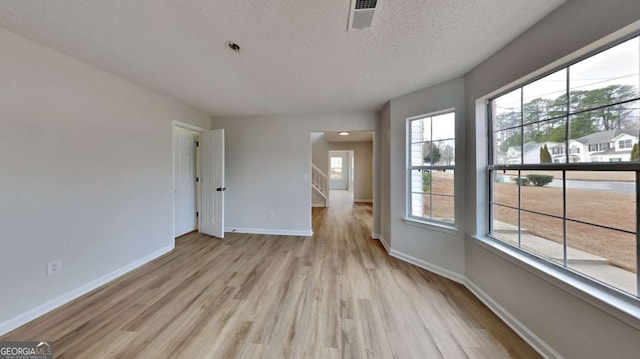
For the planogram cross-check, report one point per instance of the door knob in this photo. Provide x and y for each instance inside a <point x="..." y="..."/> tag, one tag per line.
<point x="221" y="189"/>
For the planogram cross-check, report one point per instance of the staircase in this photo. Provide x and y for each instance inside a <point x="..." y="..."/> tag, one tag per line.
<point x="320" y="183"/>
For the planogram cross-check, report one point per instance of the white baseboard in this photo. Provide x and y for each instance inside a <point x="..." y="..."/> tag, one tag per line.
<point x="316" y="205"/>
<point x="275" y="232"/>
<point x="363" y="200"/>
<point x="428" y="266"/>
<point x="375" y="235"/>
<point x="525" y="333"/>
<point x="385" y="244"/>
<point x="42" y="309"/>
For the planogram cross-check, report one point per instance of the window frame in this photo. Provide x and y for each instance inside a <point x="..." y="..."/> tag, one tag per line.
<point x="629" y="166"/>
<point x="427" y="221"/>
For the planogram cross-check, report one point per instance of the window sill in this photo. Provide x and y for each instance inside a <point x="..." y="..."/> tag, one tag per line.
<point x="617" y="304"/>
<point x="431" y="225"/>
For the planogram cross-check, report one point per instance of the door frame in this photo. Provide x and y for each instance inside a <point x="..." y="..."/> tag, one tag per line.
<point x="351" y="185"/>
<point x="377" y="157"/>
<point x="186" y="126"/>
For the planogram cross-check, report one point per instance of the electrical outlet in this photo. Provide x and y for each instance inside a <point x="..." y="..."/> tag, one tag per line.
<point x="54" y="267"/>
<point x="270" y="214"/>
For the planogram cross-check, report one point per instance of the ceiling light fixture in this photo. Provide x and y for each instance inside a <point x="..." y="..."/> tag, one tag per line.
<point x="343" y="133"/>
<point x="233" y="46"/>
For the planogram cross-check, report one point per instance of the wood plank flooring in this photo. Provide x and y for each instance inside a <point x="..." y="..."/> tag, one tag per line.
<point x="335" y="295"/>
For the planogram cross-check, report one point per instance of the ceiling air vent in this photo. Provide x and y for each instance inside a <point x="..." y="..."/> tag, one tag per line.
<point x="361" y="15"/>
<point x="365" y="4"/>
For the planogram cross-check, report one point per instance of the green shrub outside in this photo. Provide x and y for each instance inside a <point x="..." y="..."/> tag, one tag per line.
<point x="545" y="155"/>
<point x="539" y="180"/>
<point x="426" y="182"/>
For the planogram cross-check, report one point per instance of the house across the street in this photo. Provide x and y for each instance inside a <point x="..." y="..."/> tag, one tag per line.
<point x="605" y="146"/>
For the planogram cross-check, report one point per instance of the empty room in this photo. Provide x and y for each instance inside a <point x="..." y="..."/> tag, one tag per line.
<point x="331" y="179"/>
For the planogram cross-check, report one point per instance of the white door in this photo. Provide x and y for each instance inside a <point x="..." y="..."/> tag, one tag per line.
<point x="212" y="183"/>
<point x="184" y="182"/>
<point x="338" y="170"/>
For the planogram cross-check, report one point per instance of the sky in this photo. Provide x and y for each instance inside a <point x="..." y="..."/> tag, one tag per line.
<point x="619" y="65"/>
<point x="444" y="127"/>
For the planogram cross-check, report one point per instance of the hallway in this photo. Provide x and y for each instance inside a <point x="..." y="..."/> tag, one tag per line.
<point x="334" y="295"/>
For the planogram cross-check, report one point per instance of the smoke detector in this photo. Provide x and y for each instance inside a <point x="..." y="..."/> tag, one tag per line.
<point x="361" y="15"/>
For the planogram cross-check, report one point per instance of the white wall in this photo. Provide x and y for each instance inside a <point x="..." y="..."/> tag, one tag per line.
<point x="266" y="158"/>
<point x="382" y="144"/>
<point x="567" y="324"/>
<point x="85" y="175"/>
<point x="363" y="167"/>
<point x="320" y="151"/>
<point x="441" y="251"/>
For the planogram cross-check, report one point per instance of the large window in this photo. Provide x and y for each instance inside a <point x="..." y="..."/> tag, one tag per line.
<point x="432" y="149"/>
<point x="577" y="209"/>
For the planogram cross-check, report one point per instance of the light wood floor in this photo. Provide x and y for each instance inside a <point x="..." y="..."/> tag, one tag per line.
<point x="336" y="295"/>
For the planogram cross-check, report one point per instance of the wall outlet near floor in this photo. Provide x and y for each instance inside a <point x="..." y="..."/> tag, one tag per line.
<point x="270" y="214"/>
<point x="54" y="267"/>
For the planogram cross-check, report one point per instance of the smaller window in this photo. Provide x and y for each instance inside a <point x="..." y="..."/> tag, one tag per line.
<point x="431" y="170"/>
<point x="625" y="144"/>
<point x="336" y="168"/>
<point x="599" y="147"/>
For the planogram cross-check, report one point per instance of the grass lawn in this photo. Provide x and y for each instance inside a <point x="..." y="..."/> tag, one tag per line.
<point x="599" y="207"/>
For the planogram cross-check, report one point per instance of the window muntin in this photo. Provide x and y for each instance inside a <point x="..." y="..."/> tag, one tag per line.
<point x="581" y="213"/>
<point x="431" y="169"/>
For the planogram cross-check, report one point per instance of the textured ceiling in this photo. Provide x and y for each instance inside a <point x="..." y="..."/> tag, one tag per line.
<point x="296" y="57"/>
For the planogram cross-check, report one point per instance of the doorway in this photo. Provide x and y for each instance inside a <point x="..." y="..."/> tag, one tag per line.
<point x="198" y="180"/>
<point x="185" y="178"/>
<point x="350" y="178"/>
